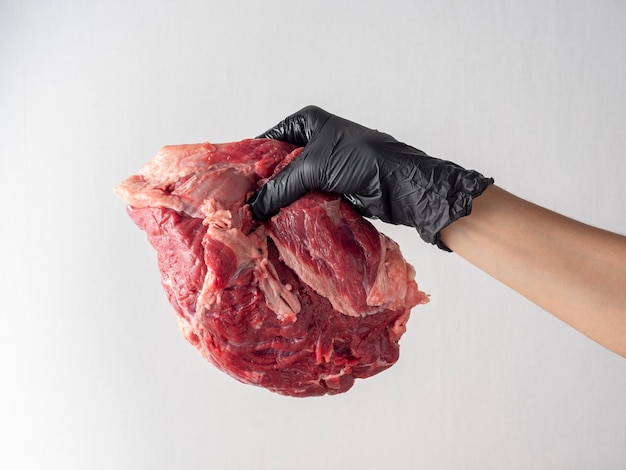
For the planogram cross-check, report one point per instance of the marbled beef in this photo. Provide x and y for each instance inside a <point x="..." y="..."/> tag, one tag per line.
<point x="302" y="304"/>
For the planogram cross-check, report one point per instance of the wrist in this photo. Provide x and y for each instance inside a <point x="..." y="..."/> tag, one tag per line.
<point x="447" y="201"/>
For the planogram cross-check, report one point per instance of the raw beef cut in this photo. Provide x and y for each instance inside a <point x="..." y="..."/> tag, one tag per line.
<point x="301" y="304"/>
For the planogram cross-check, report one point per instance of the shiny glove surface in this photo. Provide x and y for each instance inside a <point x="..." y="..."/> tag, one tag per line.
<point x="381" y="177"/>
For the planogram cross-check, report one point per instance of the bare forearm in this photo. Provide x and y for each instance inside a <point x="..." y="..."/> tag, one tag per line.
<point x="572" y="270"/>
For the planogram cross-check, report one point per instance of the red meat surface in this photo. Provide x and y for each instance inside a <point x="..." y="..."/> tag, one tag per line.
<point x="301" y="304"/>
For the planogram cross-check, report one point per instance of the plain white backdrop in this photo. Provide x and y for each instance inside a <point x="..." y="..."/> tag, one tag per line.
<point x="94" y="373"/>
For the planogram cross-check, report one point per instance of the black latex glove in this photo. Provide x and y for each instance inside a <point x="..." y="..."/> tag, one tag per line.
<point x="381" y="177"/>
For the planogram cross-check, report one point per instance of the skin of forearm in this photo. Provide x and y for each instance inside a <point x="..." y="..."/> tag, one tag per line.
<point x="572" y="270"/>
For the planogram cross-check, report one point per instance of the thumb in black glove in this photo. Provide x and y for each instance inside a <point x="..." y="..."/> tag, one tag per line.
<point x="381" y="177"/>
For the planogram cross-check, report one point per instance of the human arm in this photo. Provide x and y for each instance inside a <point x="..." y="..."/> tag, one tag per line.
<point x="572" y="270"/>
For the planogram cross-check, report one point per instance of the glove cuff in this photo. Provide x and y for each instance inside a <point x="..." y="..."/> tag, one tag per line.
<point x="446" y="199"/>
<point x="461" y="206"/>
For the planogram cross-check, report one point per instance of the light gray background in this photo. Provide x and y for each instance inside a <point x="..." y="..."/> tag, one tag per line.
<point x="94" y="372"/>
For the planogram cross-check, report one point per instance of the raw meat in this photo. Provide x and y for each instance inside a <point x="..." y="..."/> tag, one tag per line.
<point x="302" y="304"/>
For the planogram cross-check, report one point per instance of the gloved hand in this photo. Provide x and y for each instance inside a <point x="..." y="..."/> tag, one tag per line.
<point x="381" y="177"/>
